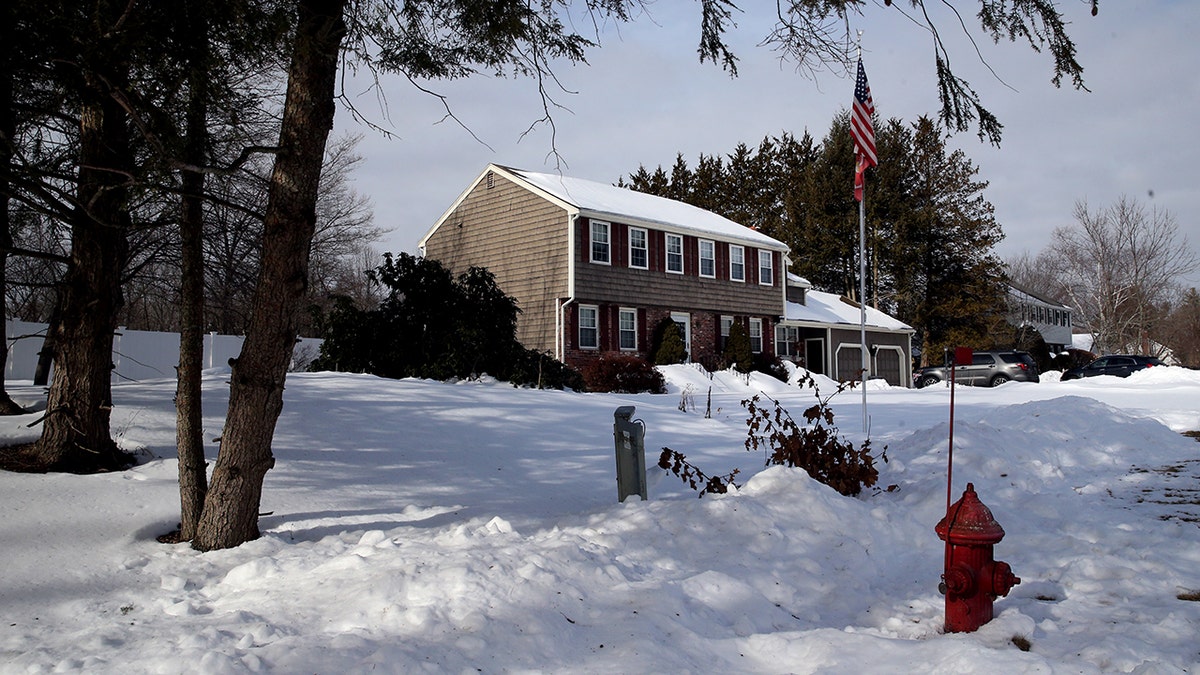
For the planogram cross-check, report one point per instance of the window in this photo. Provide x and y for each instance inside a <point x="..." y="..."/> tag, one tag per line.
<point x="675" y="253"/>
<point x="684" y="321"/>
<point x="737" y="263"/>
<point x="600" y="243"/>
<point x="756" y="344"/>
<point x="766" y="268"/>
<point x="708" y="259"/>
<point x="627" y="328"/>
<point x="726" y="325"/>
<point x="639" y="253"/>
<point x="589" y="327"/>
<point x="786" y="338"/>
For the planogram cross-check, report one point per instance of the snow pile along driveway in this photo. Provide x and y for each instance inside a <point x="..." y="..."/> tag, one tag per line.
<point x="426" y="527"/>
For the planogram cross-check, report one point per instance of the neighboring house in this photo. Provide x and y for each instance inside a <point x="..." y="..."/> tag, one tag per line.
<point x="596" y="268"/>
<point x="1052" y="319"/>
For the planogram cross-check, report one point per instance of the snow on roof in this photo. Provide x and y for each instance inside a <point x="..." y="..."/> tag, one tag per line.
<point x="794" y="279"/>
<point x="827" y="308"/>
<point x="622" y="203"/>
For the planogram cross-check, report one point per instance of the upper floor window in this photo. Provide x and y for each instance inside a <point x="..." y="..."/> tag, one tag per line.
<point x="639" y="251"/>
<point x="675" y="253"/>
<point x="737" y="263"/>
<point x="627" y="328"/>
<point x="601" y="245"/>
<point x="589" y="327"/>
<point x="708" y="258"/>
<point x="766" y="268"/>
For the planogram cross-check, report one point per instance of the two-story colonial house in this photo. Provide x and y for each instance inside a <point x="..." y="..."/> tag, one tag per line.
<point x="596" y="268"/>
<point x="1051" y="318"/>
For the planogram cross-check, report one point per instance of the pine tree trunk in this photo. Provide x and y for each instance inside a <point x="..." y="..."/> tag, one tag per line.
<point x="7" y="131"/>
<point x="189" y="429"/>
<point x="75" y="435"/>
<point x="45" y="360"/>
<point x="230" y="515"/>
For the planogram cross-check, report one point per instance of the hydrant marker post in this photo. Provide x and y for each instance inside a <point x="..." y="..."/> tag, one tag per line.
<point x="971" y="578"/>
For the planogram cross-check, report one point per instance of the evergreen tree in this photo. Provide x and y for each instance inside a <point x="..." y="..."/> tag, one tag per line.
<point x="737" y="349"/>
<point x="930" y="231"/>
<point x="430" y="324"/>
<point x="670" y="347"/>
<point x="952" y="282"/>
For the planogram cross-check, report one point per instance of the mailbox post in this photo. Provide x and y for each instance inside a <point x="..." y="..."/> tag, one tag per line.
<point x="629" y="436"/>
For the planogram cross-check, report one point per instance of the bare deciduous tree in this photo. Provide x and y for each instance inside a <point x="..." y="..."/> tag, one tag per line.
<point x="1118" y="267"/>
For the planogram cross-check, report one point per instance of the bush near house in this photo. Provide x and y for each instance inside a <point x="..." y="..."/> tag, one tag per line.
<point x="434" y="325"/>
<point x="737" y="349"/>
<point x="669" y="347"/>
<point x="623" y="374"/>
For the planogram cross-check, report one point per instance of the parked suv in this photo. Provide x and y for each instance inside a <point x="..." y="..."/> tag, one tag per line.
<point x="987" y="369"/>
<point x="1120" y="365"/>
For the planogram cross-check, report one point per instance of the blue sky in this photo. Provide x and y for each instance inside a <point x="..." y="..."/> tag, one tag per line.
<point x="644" y="97"/>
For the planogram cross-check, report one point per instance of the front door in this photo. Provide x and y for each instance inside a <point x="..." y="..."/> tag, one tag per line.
<point x="814" y="355"/>
<point x="684" y="321"/>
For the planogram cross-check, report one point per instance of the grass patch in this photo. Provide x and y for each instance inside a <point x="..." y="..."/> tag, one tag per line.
<point x="1021" y="642"/>
<point x="1191" y="596"/>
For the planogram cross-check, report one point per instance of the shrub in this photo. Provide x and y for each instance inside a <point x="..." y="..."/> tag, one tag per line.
<point x="435" y="325"/>
<point x="771" y="365"/>
<point x="531" y="368"/>
<point x="623" y="374"/>
<point x="669" y="347"/>
<point x="737" y="349"/>
<point x="676" y="463"/>
<point x="815" y="447"/>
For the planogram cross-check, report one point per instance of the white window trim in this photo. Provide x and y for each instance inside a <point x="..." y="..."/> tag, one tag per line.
<point x="646" y="249"/>
<point x="667" y="254"/>
<point x="712" y="249"/>
<point x="759" y="324"/>
<point x="791" y="345"/>
<point x="685" y="318"/>
<point x="741" y="279"/>
<point x="767" y="255"/>
<point x="592" y="241"/>
<point x="629" y="310"/>
<point x="596" y="327"/>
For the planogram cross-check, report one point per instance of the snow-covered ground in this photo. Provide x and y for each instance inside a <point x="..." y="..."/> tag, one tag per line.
<point x="414" y="526"/>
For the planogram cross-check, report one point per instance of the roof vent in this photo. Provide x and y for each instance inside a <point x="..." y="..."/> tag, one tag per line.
<point x="491" y="180"/>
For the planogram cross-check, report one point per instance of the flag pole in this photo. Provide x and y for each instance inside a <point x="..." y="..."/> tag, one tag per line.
<point x="862" y="297"/>
<point x="862" y="282"/>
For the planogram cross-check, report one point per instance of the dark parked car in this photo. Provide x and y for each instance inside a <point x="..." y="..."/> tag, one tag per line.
<point x="987" y="369"/>
<point x="1120" y="365"/>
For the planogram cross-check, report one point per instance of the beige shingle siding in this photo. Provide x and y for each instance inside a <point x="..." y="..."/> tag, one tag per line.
<point x="522" y="239"/>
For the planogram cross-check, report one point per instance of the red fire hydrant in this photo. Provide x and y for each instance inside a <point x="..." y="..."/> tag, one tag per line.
<point x="972" y="579"/>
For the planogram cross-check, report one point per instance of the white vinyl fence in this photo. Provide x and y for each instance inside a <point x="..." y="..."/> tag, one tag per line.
<point x="138" y="354"/>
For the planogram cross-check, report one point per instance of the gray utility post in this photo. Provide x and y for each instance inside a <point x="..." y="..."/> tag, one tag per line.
<point x="629" y="436"/>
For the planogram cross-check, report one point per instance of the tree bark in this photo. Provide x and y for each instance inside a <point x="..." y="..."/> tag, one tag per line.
<point x="75" y="435"/>
<point x="189" y="429"/>
<point x="8" y="129"/>
<point x="230" y="515"/>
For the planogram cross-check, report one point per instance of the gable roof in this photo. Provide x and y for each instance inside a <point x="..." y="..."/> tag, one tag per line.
<point x="602" y="201"/>
<point x="1014" y="289"/>
<point x="824" y="308"/>
<point x="829" y="309"/>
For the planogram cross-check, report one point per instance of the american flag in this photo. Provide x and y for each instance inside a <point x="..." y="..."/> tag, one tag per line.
<point x="862" y="131"/>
